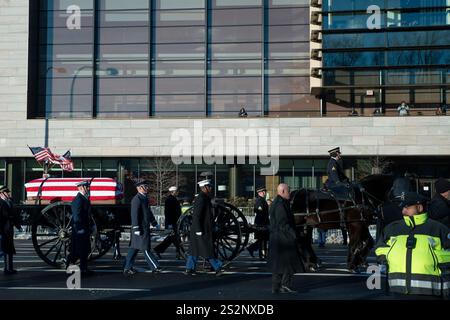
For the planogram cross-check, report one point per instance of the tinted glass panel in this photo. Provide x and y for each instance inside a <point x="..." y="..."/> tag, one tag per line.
<point x="116" y="85"/>
<point x="288" y="85"/>
<point x="236" y="51"/>
<point x="236" y="68"/>
<point x="229" y="105"/>
<point x="77" y="85"/>
<point x="281" y="3"/>
<point x="64" y="35"/>
<point x="114" y="106"/>
<point x="236" y="34"/>
<point x="236" y="17"/>
<point x="179" y="51"/>
<point x="288" y="33"/>
<point x="235" y="85"/>
<point x="354" y="40"/>
<point x="179" y="4"/>
<point x="64" y="105"/>
<point x="179" y="105"/>
<point x="301" y="103"/>
<point x="64" y="4"/>
<point x="120" y="4"/>
<point x="123" y="52"/>
<point x="180" y="18"/>
<point x="235" y="3"/>
<point x="66" y="52"/>
<point x="179" y="85"/>
<point x="289" y="16"/>
<point x="179" y="34"/>
<point x="179" y="69"/>
<point x="125" y="68"/>
<point x="124" y="18"/>
<point x="290" y="50"/>
<point x="124" y="35"/>
<point x="58" y="19"/>
<point x="288" y="68"/>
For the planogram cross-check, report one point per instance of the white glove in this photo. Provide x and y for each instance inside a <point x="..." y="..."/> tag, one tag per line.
<point x="80" y="231"/>
<point x="137" y="233"/>
<point x="198" y="233"/>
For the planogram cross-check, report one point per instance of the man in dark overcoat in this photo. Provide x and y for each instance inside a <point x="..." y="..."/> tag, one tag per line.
<point x="8" y="220"/>
<point x="140" y="237"/>
<point x="284" y="256"/>
<point x="172" y="212"/>
<point x="439" y="207"/>
<point x="80" y="245"/>
<point x="201" y="236"/>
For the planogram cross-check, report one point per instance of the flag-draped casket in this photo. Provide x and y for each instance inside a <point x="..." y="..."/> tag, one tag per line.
<point x="103" y="190"/>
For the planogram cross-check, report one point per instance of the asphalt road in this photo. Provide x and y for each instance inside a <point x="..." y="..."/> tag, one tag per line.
<point x="246" y="278"/>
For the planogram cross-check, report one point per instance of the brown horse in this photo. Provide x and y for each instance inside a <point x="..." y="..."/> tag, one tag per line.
<point x="318" y="208"/>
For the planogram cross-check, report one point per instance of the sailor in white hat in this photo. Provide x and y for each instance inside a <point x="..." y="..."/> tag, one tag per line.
<point x="201" y="237"/>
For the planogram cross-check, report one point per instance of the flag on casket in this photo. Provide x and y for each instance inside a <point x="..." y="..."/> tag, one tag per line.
<point x="105" y="190"/>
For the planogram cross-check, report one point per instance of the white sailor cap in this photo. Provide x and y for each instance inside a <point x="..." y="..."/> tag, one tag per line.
<point x="173" y="188"/>
<point x="206" y="182"/>
<point x="83" y="183"/>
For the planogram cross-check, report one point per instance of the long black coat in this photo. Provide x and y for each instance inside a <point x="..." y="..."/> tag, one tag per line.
<point x="172" y="211"/>
<point x="439" y="209"/>
<point x="261" y="210"/>
<point x="284" y="255"/>
<point x="202" y="221"/>
<point x="141" y="218"/>
<point x="81" y="220"/>
<point x="8" y="220"/>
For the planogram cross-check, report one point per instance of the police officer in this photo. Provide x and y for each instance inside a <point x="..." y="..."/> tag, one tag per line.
<point x="8" y="219"/>
<point x="172" y="212"/>
<point x="261" y="210"/>
<point x="416" y="250"/>
<point x="141" y="218"/>
<point x="439" y="208"/>
<point x="337" y="180"/>
<point x="81" y="227"/>
<point x="201" y="236"/>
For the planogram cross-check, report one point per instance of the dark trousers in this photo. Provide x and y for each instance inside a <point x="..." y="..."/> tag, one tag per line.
<point x="8" y="262"/>
<point x="344" y="236"/>
<point x="281" y="279"/>
<point x="170" y="239"/>
<point x="149" y="257"/>
<point x="261" y="246"/>
<point x="80" y="249"/>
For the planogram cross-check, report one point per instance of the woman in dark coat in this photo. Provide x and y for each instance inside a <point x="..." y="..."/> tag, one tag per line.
<point x="284" y="256"/>
<point x="8" y="220"/>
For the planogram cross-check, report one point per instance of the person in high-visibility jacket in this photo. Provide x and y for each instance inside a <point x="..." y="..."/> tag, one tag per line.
<point x="416" y="250"/>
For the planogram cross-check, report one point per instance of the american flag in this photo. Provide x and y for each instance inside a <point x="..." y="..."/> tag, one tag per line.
<point x="65" y="161"/>
<point x="41" y="154"/>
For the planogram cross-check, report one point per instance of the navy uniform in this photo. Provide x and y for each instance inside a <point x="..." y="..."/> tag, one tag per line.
<point x="261" y="210"/>
<point x="8" y="219"/>
<point x="172" y="212"/>
<point x="201" y="236"/>
<point x="337" y="180"/>
<point x="141" y="219"/>
<point x="81" y="228"/>
<point x="439" y="208"/>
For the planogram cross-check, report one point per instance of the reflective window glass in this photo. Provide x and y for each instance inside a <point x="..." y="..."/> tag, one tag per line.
<point x="288" y="85"/>
<point x="235" y="3"/>
<point x="66" y="36"/>
<point x="179" y="85"/>
<point x="235" y="85"/>
<point x="120" y="4"/>
<point x="288" y="68"/>
<point x="58" y="19"/>
<point x="123" y="51"/>
<point x="123" y="68"/>
<point x="236" y="51"/>
<point x="179" y="34"/>
<point x="289" y="16"/>
<point x="289" y="33"/>
<point x="179" y="68"/>
<point x="241" y="16"/>
<point x="65" y="104"/>
<point x="119" y="85"/>
<point x="292" y="104"/>
<point x="66" y="52"/>
<point x="130" y="18"/>
<point x="122" y="106"/>
<point x="124" y="35"/>
<point x="289" y="50"/>
<point x="179" y="105"/>
<point x="180" y="4"/>
<point x="229" y="105"/>
<point x="236" y="68"/>
<point x="64" y="4"/>
<point x="236" y="34"/>
<point x="179" y="18"/>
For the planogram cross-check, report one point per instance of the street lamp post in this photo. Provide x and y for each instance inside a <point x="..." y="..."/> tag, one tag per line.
<point x="109" y="71"/>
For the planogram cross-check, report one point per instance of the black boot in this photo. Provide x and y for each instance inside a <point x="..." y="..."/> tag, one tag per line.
<point x="116" y="254"/>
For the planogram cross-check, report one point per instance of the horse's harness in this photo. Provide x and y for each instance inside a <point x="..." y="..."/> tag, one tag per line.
<point x="341" y="207"/>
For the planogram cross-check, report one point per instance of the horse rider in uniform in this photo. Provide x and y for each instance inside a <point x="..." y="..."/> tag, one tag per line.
<point x="81" y="227"/>
<point x="8" y="220"/>
<point x="201" y="235"/>
<point x="172" y="212"/>
<point x="261" y="210"/>
<point x="439" y="207"/>
<point x="416" y="250"/>
<point x="337" y="181"/>
<point x="141" y="219"/>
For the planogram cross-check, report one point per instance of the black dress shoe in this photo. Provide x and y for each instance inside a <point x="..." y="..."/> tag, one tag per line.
<point x="157" y="270"/>
<point x="220" y="272"/>
<point x="129" y="272"/>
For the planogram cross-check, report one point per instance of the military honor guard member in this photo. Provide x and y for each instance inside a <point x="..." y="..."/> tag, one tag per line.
<point x="337" y="180"/>
<point x="81" y="227"/>
<point x="8" y="220"/>
<point x="201" y="236"/>
<point x="141" y="219"/>
<point x="261" y="210"/>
